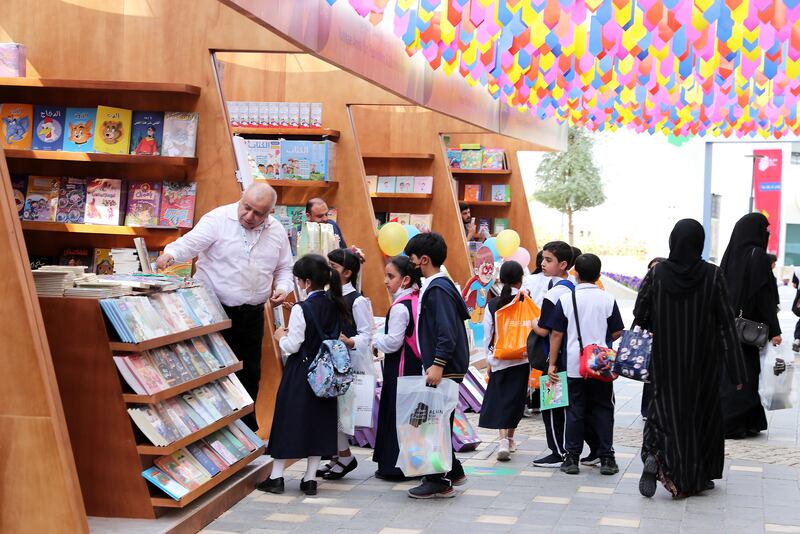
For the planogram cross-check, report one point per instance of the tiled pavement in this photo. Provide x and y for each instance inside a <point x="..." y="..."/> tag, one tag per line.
<point x="760" y="491"/>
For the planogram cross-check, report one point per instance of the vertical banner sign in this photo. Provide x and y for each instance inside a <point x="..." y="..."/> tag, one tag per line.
<point x="767" y="178"/>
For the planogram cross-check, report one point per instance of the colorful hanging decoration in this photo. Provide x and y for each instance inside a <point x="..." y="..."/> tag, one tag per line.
<point x="683" y="68"/>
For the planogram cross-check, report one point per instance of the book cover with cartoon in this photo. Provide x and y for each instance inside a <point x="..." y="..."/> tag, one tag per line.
<point x="144" y="201"/>
<point x="42" y="198"/>
<point x="112" y="133"/>
<point x="79" y="129"/>
<point x="103" y="201"/>
<point x="180" y="134"/>
<point x="71" y="201"/>
<point x="16" y="121"/>
<point x="147" y="133"/>
<point x="19" y="184"/>
<point x="48" y="127"/>
<point x="177" y="204"/>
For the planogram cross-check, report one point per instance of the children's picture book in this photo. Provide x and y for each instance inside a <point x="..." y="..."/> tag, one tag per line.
<point x="264" y="159"/>
<point x="422" y="221"/>
<point x="16" y="123"/>
<point x="553" y="394"/>
<point x="294" y="114"/>
<point x="274" y="114"/>
<point x="104" y="200"/>
<point x="454" y="156"/>
<point x="112" y="132"/>
<point x="387" y="184"/>
<point x="19" y="186"/>
<point x="372" y="184"/>
<point x="306" y="160"/>
<point x="76" y="257"/>
<point x="263" y="114"/>
<point x="423" y="184"/>
<point x="177" y="204"/>
<point x="471" y="159"/>
<point x="164" y="482"/>
<point x="494" y="158"/>
<point x="500" y="224"/>
<point x="405" y="184"/>
<point x="472" y="192"/>
<point x="316" y="115"/>
<point x="102" y="262"/>
<point x="79" y="129"/>
<point x="71" y="201"/>
<point x="147" y="133"/>
<point x="144" y="202"/>
<point x="402" y="218"/>
<point x="41" y="202"/>
<point x="501" y="193"/>
<point x="180" y="133"/>
<point x="484" y="226"/>
<point x="305" y="114"/>
<point x="283" y="114"/>
<point x="48" y="127"/>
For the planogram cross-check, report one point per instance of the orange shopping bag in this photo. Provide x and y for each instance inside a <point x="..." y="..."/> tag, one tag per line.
<point x="513" y="323"/>
<point x="533" y="379"/>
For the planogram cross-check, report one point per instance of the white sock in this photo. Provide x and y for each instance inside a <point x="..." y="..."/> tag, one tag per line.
<point x="277" y="469"/>
<point x="343" y="441"/>
<point x="311" y="469"/>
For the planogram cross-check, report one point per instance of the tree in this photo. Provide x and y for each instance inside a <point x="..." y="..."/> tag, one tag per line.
<point x="570" y="181"/>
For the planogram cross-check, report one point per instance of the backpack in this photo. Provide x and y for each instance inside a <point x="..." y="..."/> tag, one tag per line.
<point x="535" y="343"/>
<point x="330" y="374"/>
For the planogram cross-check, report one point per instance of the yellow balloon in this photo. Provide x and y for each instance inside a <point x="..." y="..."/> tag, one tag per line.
<point x="507" y="243"/>
<point x="392" y="238"/>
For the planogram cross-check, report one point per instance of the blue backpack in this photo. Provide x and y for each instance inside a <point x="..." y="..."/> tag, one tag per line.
<point x="330" y="374"/>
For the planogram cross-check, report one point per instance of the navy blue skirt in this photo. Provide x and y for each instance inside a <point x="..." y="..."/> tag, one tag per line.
<point x="505" y="397"/>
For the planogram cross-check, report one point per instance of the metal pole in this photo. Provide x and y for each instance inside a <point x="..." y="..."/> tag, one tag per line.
<point x="707" y="199"/>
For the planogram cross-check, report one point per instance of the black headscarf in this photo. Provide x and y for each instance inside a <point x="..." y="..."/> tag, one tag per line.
<point x="684" y="269"/>
<point x="745" y="263"/>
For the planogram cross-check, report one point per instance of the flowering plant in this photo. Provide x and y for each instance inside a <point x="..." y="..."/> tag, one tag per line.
<point x="632" y="282"/>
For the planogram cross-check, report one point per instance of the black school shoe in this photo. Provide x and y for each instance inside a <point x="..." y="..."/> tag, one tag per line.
<point x="432" y="490"/>
<point x="608" y="466"/>
<point x="308" y="487"/>
<point x="333" y="475"/>
<point x="552" y="460"/>
<point x="647" y="483"/>
<point x="271" y="485"/>
<point x="570" y="465"/>
<point x="591" y="460"/>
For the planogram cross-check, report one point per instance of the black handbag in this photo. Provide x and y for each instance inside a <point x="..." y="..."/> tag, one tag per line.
<point x="535" y="349"/>
<point x="752" y="332"/>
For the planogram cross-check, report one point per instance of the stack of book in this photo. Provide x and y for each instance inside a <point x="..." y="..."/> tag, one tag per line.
<point x="275" y="114"/>
<point x="186" y="469"/>
<point x="53" y="280"/>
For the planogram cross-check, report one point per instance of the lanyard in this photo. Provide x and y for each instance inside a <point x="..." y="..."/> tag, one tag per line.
<point x="248" y="247"/>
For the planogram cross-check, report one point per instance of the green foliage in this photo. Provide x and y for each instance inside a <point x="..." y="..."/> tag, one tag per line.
<point x="570" y="181"/>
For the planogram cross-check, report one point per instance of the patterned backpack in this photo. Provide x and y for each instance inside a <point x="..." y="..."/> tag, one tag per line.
<point x="330" y="374"/>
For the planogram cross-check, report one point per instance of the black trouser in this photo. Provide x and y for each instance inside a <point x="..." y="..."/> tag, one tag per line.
<point x="554" y="428"/>
<point x="797" y="330"/>
<point x="591" y="403"/>
<point x="446" y="479"/>
<point x="647" y="392"/>
<point x="244" y="337"/>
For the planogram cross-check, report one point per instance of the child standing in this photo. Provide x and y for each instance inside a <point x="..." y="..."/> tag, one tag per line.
<point x="442" y="339"/>
<point x="504" y="401"/>
<point x="399" y="344"/>
<point x="357" y="335"/>
<point x="304" y="425"/>
<point x="596" y="321"/>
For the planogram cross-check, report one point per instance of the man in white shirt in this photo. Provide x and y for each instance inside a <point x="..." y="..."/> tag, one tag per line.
<point x="242" y="253"/>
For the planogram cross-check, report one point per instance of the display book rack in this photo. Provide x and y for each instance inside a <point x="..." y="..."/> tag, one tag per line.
<point x="402" y="204"/>
<point x="110" y="451"/>
<point x="51" y="238"/>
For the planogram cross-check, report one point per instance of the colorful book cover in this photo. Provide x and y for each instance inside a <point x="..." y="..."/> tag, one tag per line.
<point x="147" y="133"/>
<point x="500" y="224"/>
<point x="297" y="215"/>
<point x="249" y="433"/>
<point x="41" y="202"/>
<point x="182" y="269"/>
<point x="501" y="193"/>
<point x="422" y="221"/>
<point x="402" y="218"/>
<point x="177" y="204"/>
<point x="264" y="158"/>
<point x="221" y="464"/>
<point x="472" y="192"/>
<point x="203" y="459"/>
<point x="423" y="184"/>
<point x="454" y="156"/>
<point x="471" y="159"/>
<point x="79" y="129"/>
<point x="494" y="158"/>
<point x="315" y="120"/>
<point x="48" y="127"/>
<point x="103" y="201"/>
<point x="484" y="226"/>
<point x="405" y="184"/>
<point x="75" y="257"/>
<point x="243" y="439"/>
<point x="180" y="133"/>
<point x="306" y="160"/>
<point x="294" y="114"/>
<point x="112" y="132"/>
<point x="143" y="366"/>
<point x="553" y="394"/>
<point x="71" y="200"/>
<point x="19" y="185"/>
<point x="103" y="263"/>
<point x="17" y="123"/>
<point x="184" y="474"/>
<point x="144" y="201"/>
<point x="387" y="184"/>
<point x="163" y="481"/>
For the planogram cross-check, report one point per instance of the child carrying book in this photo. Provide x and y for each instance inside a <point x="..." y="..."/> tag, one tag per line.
<point x="590" y="316"/>
<point x="304" y="425"/>
<point x="402" y="358"/>
<point x="442" y="339"/>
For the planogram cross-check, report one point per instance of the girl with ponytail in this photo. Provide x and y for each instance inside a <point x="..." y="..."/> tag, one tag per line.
<point x="506" y="392"/>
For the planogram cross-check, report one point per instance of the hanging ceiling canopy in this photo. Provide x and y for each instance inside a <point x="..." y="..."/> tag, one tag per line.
<point x="719" y="67"/>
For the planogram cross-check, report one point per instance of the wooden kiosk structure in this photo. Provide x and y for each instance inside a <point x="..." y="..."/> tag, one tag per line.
<point x="160" y="55"/>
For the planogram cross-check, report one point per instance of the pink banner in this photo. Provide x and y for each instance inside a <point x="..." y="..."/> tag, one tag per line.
<point x="767" y="184"/>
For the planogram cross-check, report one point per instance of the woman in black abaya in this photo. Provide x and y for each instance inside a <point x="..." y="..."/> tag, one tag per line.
<point x="754" y="294"/>
<point x="684" y="302"/>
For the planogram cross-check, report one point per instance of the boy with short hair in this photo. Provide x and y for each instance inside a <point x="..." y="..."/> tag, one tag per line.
<point x="600" y="324"/>
<point x="556" y="261"/>
<point x="442" y="339"/>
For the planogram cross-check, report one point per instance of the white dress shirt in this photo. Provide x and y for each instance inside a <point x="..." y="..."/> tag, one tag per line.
<point x="237" y="277"/>
<point x="362" y="315"/>
<point x="536" y="285"/>
<point x="296" y="331"/>
<point x="488" y="340"/>
<point x="392" y="340"/>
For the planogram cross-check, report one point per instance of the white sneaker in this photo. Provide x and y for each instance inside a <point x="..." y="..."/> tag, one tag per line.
<point x="796" y="345"/>
<point x="503" y="454"/>
<point x="512" y="445"/>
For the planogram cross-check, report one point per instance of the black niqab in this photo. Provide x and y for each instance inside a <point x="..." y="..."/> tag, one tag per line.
<point x="685" y="268"/>
<point x="745" y="263"/>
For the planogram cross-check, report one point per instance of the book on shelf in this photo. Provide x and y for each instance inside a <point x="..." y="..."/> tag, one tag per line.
<point x="305" y="114"/>
<point x="75" y="257"/>
<point x="199" y="454"/>
<point x="501" y="193"/>
<point x="147" y="133"/>
<point x="372" y="184"/>
<point x="500" y="224"/>
<point x="71" y="201"/>
<point x="294" y="114"/>
<point x="143" y="255"/>
<point x="283" y="114"/>
<point x="112" y="131"/>
<point x="186" y="470"/>
<point x="472" y="192"/>
<point x="48" y="127"/>
<point x="454" y="157"/>
<point x="16" y="123"/>
<point x="41" y="201"/>
<point x="402" y="218"/>
<point x="19" y="187"/>
<point x="105" y="198"/>
<point x="308" y="160"/>
<point x="263" y="114"/>
<point x="405" y="184"/>
<point x="164" y="482"/>
<point x="471" y="159"/>
<point x="494" y="159"/>
<point x="423" y="184"/>
<point x="12" y="60"/>
<point x="274" y="118"/>
<point x="102" y="262"/>
<point x="422" y="221"/>
<point x="484" y="226"/>
<point x="179" y="268"/>
<point x="144" y="203"/>
<point x="387" y="184"/>
<point x="315" y="120"/>
<point x="180" y="133"/>
<point x="469" y="146"/>
<point x="177" y="204"/>
<point x="79" y="129"/>
<point x="264" y="159"/>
